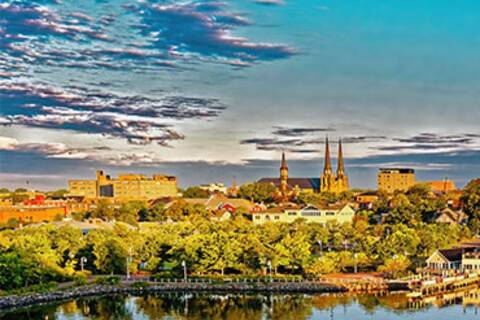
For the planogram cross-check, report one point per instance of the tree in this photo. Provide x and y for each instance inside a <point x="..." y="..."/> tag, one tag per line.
<point x="396" y="266"/>
<point x="471" y="204"/>
<point x="4" y="190"/>
<point x="154" y="213"/>
<point x="104" y="210"/>
<point x="257" y="192"/>
<point x="195" y="192"/>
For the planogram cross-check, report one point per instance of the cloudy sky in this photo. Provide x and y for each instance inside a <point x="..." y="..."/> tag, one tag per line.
<point x="208" y="90"/>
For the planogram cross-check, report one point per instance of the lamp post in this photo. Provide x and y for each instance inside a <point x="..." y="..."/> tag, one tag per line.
<point x="83" y="260"/>
<point x="320" y="243"/>
<point x="184" y="265"/>
<point x="269" y="264"/>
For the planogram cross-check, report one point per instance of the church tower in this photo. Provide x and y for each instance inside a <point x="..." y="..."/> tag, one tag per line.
<point x="328" y="181"/>
<point x="342" y="179"/>
<point x="284" y="177"/>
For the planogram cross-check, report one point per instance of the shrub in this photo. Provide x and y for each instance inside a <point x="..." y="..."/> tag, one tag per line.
<point x="111" y="280"/>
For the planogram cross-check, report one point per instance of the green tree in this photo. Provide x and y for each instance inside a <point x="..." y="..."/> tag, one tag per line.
<point x="257" y="192"/>
<point x="195" y="192"/>
<point x="471" y="204"/>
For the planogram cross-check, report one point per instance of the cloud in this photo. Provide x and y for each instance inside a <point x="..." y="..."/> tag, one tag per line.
<point x="295" y="132"/>
<point x="433" y="142"/>
<point x="270" y="2"/>
<point x="139" y="119"/>
<point x="98" y="154"/>
<point x="203" y="29"/>
<point x="302" y="140"/>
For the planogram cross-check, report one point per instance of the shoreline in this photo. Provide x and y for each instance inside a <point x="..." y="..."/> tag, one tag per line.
<point x="32" y="299"/>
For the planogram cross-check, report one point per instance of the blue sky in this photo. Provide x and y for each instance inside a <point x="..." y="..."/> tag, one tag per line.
<point x="208" y="90"/>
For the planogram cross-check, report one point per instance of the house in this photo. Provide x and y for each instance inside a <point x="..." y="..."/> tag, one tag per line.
<point x="217" y="204"/>
<point x="465" y="257"/>
<point x="366" y="200"/>
<point x="290" y="212"/>
<point x="445" y="259"/>
<point x="451" y="216"/>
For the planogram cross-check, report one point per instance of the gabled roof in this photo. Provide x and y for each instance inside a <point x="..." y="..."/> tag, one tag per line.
<point x="302" y="183"/>
<point x="452" y="255"/>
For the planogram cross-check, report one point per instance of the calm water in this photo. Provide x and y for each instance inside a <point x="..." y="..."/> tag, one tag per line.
<point x="251" y="307"/>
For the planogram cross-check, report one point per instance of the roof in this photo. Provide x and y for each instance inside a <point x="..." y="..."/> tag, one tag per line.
<point x="302" y="183"/>
<point x="282" y="208"/>
<point x="456" y="216"/>
<point x="451" y="255"/>
<point x="442" y="185"/>
<point x="293" y="206"/>
<point x="215" y="201"/>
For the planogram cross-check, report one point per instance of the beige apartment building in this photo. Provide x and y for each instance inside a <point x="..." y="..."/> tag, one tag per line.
<point x="289" y="213"/>
<point x="125" y="188"/>
<point x="394" y="179"/>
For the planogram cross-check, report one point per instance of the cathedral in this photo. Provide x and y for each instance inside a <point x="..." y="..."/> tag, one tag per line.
<point x="328" y="181"/>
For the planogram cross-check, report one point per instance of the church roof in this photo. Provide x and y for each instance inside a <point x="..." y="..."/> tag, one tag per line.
<point x="302" y="183"/>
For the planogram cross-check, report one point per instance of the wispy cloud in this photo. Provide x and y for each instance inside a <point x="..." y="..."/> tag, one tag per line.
<point x="138" y="119"/>
<point x="203" y="29"/>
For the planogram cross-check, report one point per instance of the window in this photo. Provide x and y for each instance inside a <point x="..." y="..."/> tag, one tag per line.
<point x="257" y="217"/>
<point x="277" y="218"/>
<point x="330" y="213"/>
<point x="292" y="213"/>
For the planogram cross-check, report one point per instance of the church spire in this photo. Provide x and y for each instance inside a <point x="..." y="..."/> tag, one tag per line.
<point x="328" y="165"/>
<point x="283" y="188"/>
<point x="284" y="162"/>
<point x="340" y="168"/>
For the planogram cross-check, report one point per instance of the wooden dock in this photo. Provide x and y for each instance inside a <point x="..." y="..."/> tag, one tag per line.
<point x="440" y="285"/>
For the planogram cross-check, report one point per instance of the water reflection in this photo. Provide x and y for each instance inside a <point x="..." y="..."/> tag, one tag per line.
<point x="253" y="307"/>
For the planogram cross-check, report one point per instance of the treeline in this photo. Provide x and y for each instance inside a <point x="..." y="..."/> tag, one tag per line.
<point x="35" y="255"/>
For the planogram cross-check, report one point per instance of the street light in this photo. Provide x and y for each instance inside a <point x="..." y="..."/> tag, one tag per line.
<point x="320" y="243"/>
<point x="184" y="265"/>
<point x="269" y="264"/>
<point x="83" y="260"/>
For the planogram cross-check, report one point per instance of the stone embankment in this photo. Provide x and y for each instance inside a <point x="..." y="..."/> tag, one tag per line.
<point x="13" y="301"/>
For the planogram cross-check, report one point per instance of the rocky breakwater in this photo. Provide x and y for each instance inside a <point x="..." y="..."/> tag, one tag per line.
<point x="15" y="301"/>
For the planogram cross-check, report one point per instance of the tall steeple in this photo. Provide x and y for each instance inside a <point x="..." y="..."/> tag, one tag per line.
<point x="284" y="162"/>
<point x="327" y="170"/>
<point x="340" y="167"/>
<point x="283" y="178"/>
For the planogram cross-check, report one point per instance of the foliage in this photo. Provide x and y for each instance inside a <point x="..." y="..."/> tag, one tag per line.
<point x="109" y="280"/>
<point x="471" y="203"/>
<point x="396" y="266"/>
<point x="195" y="192"/>
<point x="257" y="192"/>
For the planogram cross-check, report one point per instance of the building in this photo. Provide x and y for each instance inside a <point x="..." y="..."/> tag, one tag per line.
<point x="125" y="188"/>
<point x="366" y="200"/>
<point x="442" y="186"/>
<point x="214" y="188"/>
<point x="31" y="214"/>
<point x="219" y="202"/>
<point x="290" y="212"/>
<point x="396" y="179"/>
<point x="463" y="258"/>
<point x="328" y="182"/>
<point x="451" y="216"/>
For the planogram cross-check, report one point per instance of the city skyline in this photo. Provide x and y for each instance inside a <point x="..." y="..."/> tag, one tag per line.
<point x="206" y="90"/>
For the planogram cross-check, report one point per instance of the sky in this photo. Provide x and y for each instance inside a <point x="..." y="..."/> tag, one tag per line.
<point x="210" y="90"/>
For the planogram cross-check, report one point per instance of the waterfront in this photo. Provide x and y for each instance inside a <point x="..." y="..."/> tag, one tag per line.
<point x="462" y="305"/>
